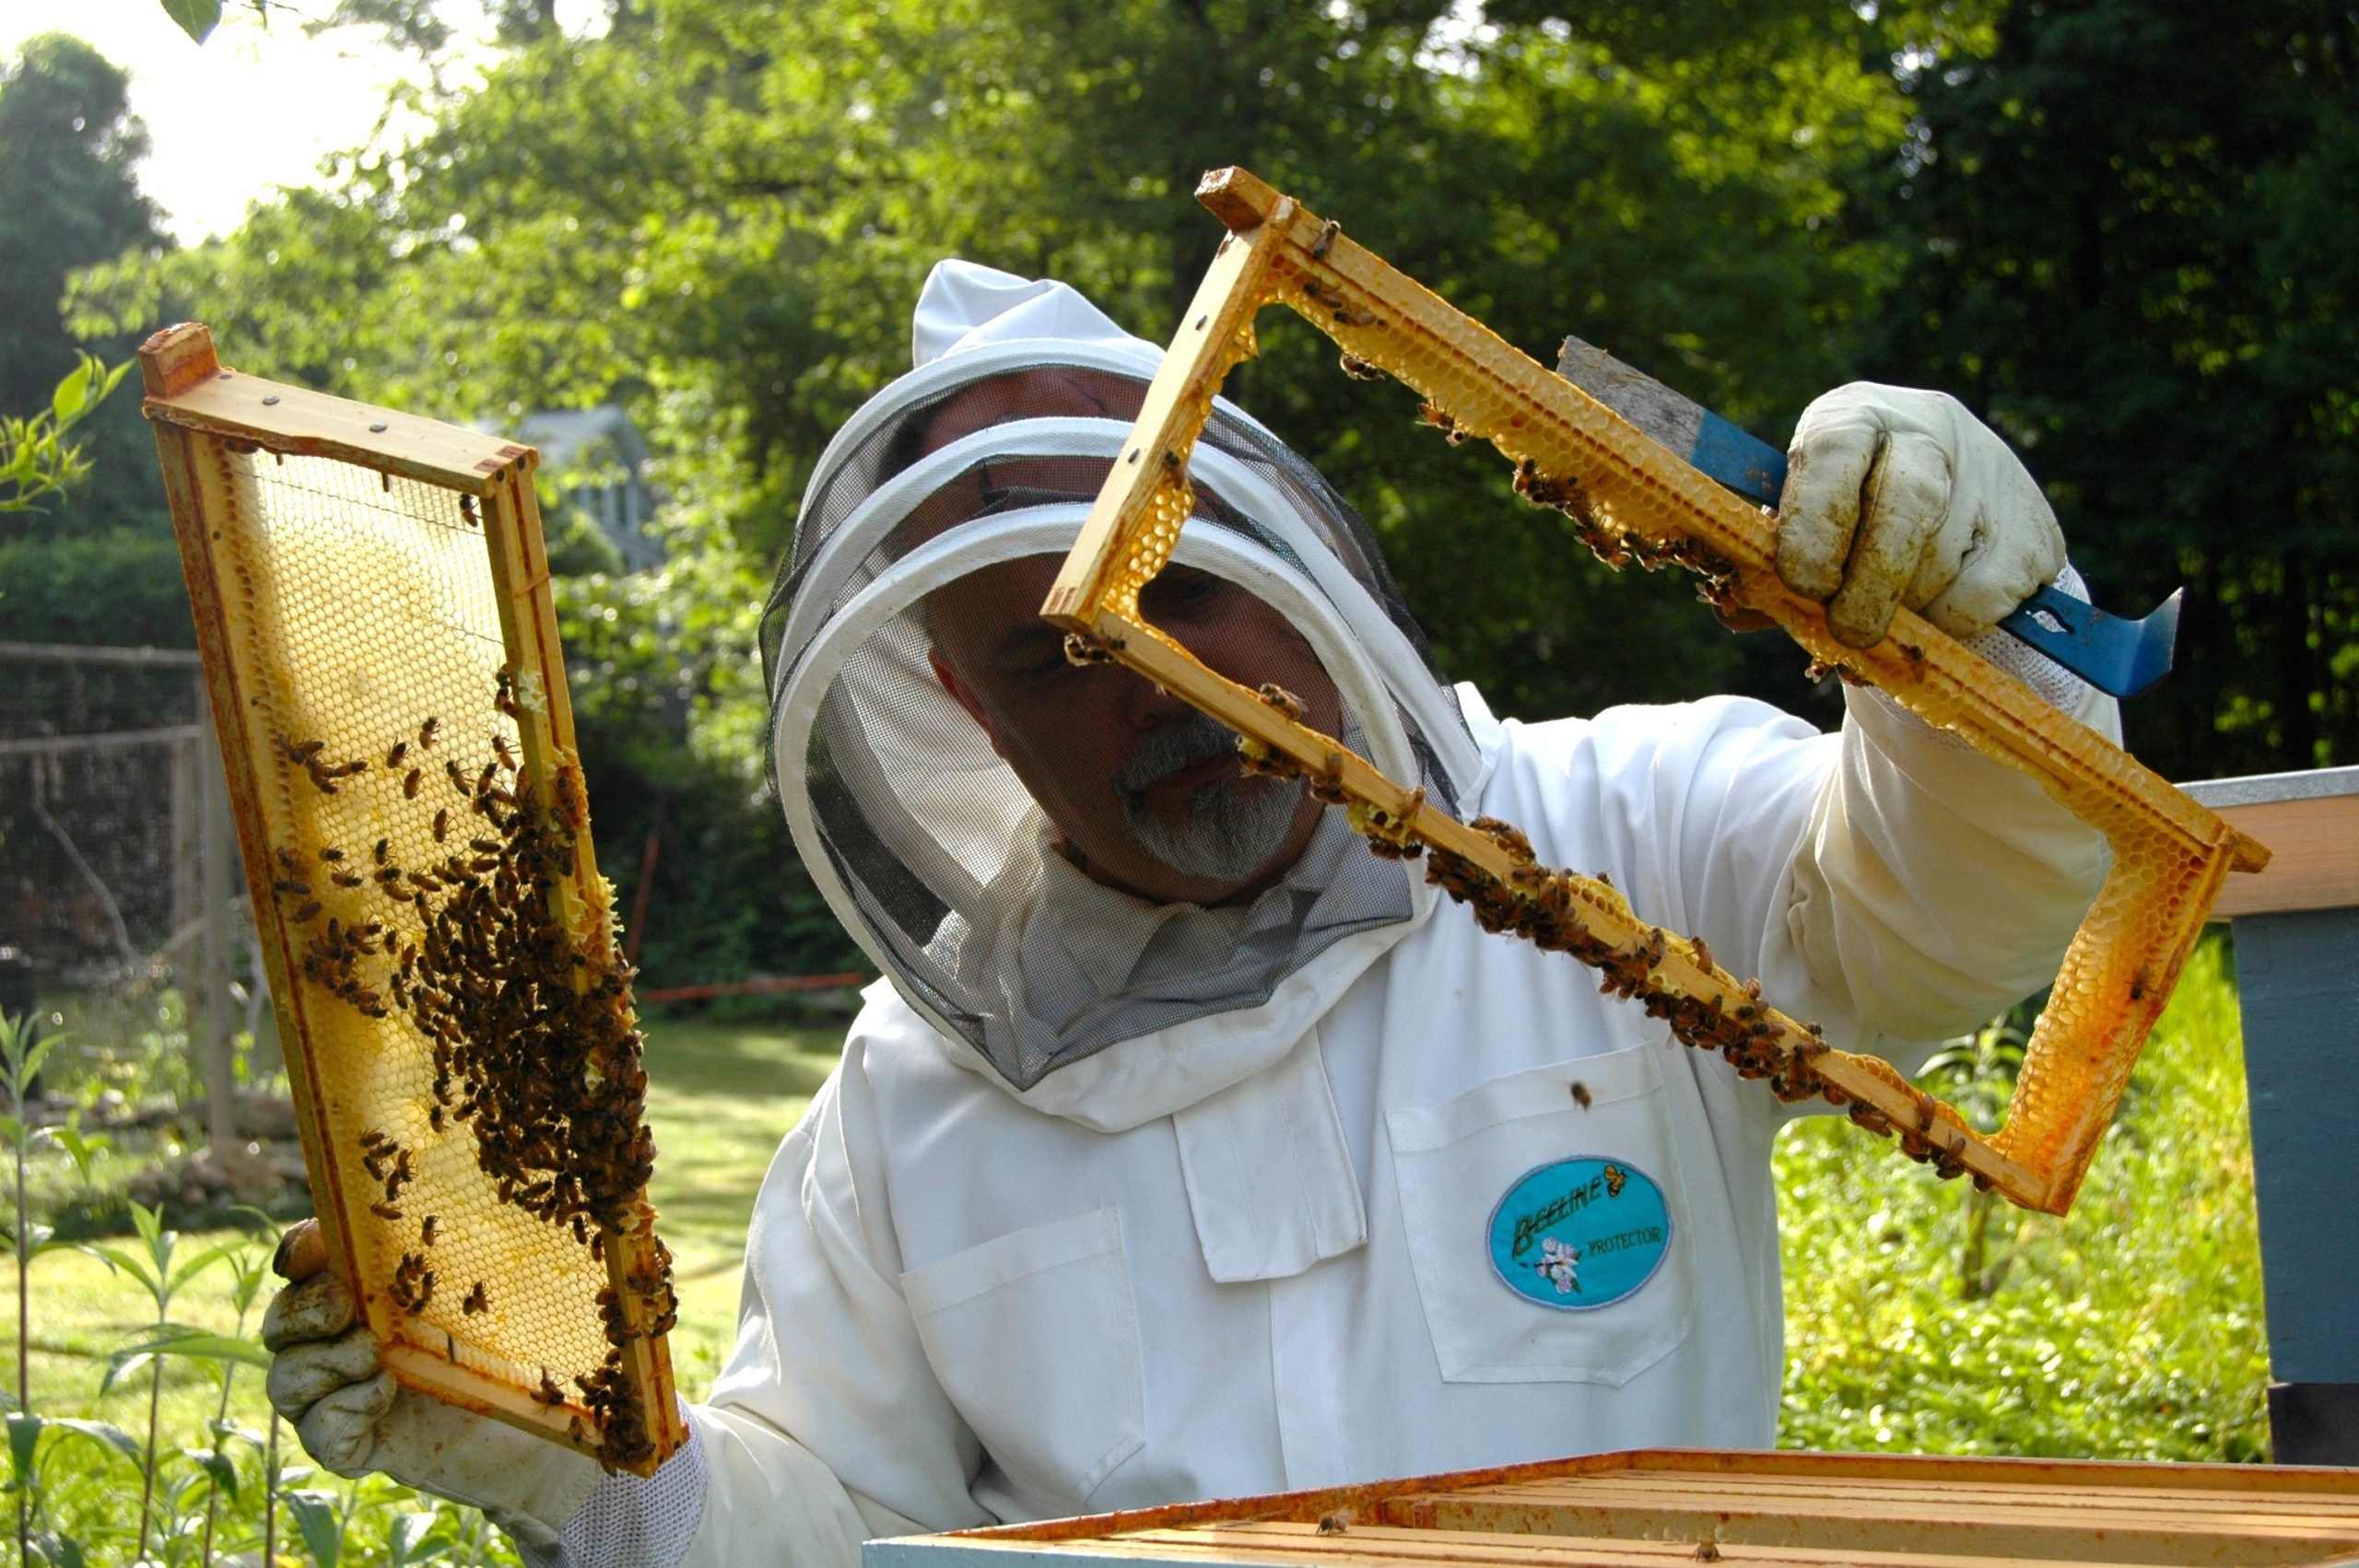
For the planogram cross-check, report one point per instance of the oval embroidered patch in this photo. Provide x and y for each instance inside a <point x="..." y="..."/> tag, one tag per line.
<point x="1580" y="1234"/>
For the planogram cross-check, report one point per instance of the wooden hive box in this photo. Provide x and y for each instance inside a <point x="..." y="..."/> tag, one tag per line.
<point x="1668" y="1508"/>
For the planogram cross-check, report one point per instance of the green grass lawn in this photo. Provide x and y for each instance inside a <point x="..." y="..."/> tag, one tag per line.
<point x="720" y="1097"/>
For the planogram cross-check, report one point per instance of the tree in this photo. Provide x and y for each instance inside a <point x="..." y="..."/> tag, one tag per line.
<point x="720" y="213"/>
<point x="2126" y="236"/>
<point x="93" y="561"/>
<point x="68" y="198"/>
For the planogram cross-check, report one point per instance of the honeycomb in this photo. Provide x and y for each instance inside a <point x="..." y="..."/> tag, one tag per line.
<point x="1633" y="500"/>
<point x="457" y="1018"/>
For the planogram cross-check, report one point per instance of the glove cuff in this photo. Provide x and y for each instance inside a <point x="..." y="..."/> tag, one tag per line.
<point x="627" y="1521"/>
<point x="2058" y="687"/>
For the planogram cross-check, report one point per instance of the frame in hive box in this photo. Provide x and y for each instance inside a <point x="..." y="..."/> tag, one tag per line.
<point x="1671" y="1508"/>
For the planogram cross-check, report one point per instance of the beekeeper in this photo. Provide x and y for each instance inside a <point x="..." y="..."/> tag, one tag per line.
<point x="1188" y="1150"/>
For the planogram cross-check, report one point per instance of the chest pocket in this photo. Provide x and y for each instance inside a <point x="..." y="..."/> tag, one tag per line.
<point x="1036" y="1339"/>
<point x="1510" y="1180"/>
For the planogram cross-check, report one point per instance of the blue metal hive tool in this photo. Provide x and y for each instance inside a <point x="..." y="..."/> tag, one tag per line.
<point x="2112" y="653"/>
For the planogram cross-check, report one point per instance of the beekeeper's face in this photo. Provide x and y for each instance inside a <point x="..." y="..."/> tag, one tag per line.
<point x="1145" y="791"/>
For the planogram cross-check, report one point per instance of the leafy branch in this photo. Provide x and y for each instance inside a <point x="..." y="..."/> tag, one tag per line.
<point x="36" y="459"/>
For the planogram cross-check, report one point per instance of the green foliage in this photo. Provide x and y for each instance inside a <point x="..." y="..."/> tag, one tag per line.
<point x="68" y="147"/>
<point x="2125" y="228"/>
<point x="1923" y="1318"/>
<point x="36" y="459"/>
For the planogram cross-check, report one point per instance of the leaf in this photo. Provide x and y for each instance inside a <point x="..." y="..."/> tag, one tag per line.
<point x="103" y="1432"/>
<point x="412" y="1539"/>
<point x="24" y="1434"/>
<point x="195" y="17"/>
<point x="72" y="397"/>
<point x="217" y="1465"/>
<point x="124" y="1262"/>
<point x="179" y="1340"/>
<point x="203" y="1261"/>
<point x="318" y="1522"/>
<point x="121" y="1365"/>
<point x="61" y="1551"/>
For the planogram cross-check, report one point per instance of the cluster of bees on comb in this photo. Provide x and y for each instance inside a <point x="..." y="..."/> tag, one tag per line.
<point x="529" y="1036"/>
<point x="1542" y="907"/>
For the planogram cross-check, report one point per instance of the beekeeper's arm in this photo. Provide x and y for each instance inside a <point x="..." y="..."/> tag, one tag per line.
<point x="1934" y="885"/>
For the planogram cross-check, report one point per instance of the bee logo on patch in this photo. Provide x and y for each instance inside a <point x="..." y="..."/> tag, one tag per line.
<point x="1615" y="1177"/>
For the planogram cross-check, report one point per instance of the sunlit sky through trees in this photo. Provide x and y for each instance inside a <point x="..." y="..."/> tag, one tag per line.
<point x="252" y="109"/>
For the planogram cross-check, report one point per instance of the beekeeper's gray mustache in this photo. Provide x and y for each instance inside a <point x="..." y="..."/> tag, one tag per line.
<point x="1188" y="738"/>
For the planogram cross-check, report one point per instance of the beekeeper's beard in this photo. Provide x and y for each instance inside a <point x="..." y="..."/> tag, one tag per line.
<point x="1228" y="830"/>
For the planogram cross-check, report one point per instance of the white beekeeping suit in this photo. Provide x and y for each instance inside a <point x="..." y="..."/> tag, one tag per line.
<point x="1119" y="1200"/>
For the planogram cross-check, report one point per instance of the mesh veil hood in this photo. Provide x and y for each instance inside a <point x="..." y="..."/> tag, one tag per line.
<point x="926" y="846"/>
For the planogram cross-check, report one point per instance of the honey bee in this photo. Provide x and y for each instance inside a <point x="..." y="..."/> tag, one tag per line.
<point x="441" y="824"/>
<point x="506" y="757"/>
<point x="467" y="510"/>
<point x="548" y="1393"/>
<point x="434" y="1118"/>
<point x="290" y="862"/>
<point x="458" y="775"/>
<point x="426" y="730"/>
<point x="331" y="853"/>
<point x="346" y="879"/>
<point x="410" y="783"/>
<point x="308" y="910"/>
<point x="425" y="1231"/>
<point x="1580" y="1093"/>
<point x="384" y="1210"/>
<point x="384" y="847"/>
<point x="478" y="1300"/>
<point x="291" y="887"/>
<point x="399" y="751"/>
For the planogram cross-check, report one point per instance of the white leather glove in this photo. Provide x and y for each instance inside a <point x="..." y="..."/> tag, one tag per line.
<point x="1896" y="497"/>
<point x="353" y="1418"/>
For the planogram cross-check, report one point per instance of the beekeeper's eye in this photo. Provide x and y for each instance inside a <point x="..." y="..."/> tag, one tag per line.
<point x="1178" y="590"/>
<point x="1032" y="655"/>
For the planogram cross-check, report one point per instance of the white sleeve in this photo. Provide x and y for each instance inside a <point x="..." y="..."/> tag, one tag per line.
<point x="1935" y="887"/>
<point x="827" y="1427"/>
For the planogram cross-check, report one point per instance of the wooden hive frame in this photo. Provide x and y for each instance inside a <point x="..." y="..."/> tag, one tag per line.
<point x="205" y="417"/>
<point x="1633" y="497"/>
<point x="1672" y="1508"/>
